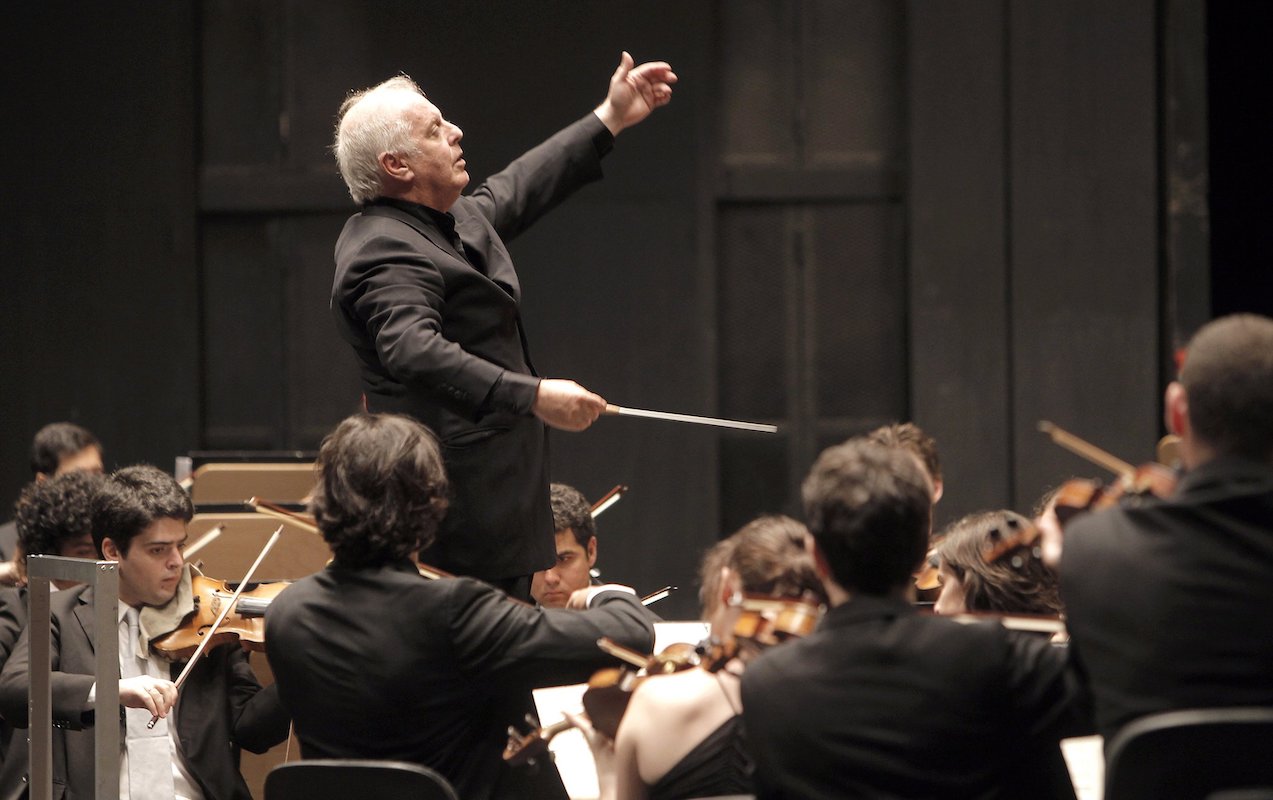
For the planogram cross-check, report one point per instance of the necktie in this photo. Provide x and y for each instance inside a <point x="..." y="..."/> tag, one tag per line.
<point x="148" y="752"/>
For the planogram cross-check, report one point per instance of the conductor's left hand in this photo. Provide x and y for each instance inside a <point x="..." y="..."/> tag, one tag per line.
<point x="635" y="92"/>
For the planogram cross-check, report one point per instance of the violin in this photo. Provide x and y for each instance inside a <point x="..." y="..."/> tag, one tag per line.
<point x="245" y="622"/>
<point x="1133" y="484"/>
<point x="763" y="622"/>
<point x="606" y="697"/>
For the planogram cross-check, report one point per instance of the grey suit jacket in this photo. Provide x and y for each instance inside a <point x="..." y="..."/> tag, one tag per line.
<point x="222" y="707"/>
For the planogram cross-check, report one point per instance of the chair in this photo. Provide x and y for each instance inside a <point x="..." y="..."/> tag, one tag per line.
<point x="341" y="779"/>
<point x="1197" y="754"/>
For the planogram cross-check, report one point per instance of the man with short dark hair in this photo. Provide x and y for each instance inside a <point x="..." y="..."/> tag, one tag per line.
<point x="1168" y="601"/>
<point x="375" y="661"/>
<point x="139" y="520"/>
<point x="912" y="438"/>
<point x="881" y="701"/>
<point x="57" y="448"/>
<point x="576" y="534"/>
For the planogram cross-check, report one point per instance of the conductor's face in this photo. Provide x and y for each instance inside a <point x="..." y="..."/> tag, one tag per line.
<point x="439" y="173"/>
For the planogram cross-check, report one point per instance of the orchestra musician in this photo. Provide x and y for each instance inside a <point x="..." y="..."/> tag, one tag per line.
<point x="375" y="661"/>
<point x="682" y="734"/>
<point x="881" y="700"/>
<point x="53" y="517"/>
<point x="1167" y="600"/>
<point x="426" y="293"/>
<point x="1015" y="582"/>
<point x="988" y="564"/>
<point x="56" y="449"/>
<point x="139" y="520"/>
<point x="910" y="437"/>
<point x="576" y="537"/>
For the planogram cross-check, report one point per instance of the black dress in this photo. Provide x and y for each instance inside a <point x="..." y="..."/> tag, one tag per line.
<point x="718" y="765"/>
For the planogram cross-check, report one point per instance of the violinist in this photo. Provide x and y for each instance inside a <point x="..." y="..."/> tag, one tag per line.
<point x="576" y="535"/>
<point x="53" y="516"/>
<point x="881" y="700"/>
<point x="1168" y="599"/>
<point x="910" y="437"/>
<point x="139" y="520"/>
<point x="1014" y="581"/>
<point x="682" y="734"/>
<point x="374" y="661"/>
<point x="989" y="563"/>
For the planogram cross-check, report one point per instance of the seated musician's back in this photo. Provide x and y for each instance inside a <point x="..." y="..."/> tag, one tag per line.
<point x="375" y="661"/>
<point x="881" y="701"/>
<point x="1168" y="601"/>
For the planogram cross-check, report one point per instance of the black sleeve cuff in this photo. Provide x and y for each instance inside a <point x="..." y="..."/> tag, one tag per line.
<point x="603" y="139"/>
<point x="513" y="392"/>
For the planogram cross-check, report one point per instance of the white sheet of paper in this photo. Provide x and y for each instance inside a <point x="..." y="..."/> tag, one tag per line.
<point x="1085" y="756"/>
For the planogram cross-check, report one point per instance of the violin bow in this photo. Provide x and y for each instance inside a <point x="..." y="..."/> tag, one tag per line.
<point x="301" y="521"/>
<point x="1085" y="449"/>
<point x="654" y="597"/>
<point x="225" y="610"/>
<point x="622" y="653"/>
<point x="203" y="541"/>
<point x="1040" y="623"/>
<point x="608" y="499"/>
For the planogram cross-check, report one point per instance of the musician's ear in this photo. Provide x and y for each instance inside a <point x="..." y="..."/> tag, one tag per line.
<point x="109" y="551"/>
<point x="1176" y="409"/>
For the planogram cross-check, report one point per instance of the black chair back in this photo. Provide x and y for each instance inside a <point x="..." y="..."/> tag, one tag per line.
<point x="342" y="779"/>
<point x="1195" y="754"/>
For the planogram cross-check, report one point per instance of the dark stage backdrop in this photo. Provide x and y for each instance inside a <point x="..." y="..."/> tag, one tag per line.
<point x="852" y="212"/>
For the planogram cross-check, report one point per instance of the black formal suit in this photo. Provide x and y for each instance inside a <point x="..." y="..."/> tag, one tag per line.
<point x="382" y="663"/>
<point x="221" y="708"/>
<point x="882" y="702"/>
<point x="432" y="310"/>
<point x="1170" y="604"/>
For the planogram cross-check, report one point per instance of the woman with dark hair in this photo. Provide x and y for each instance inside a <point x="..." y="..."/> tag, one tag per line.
<point x="682" y="735"/>
<point x="988" y="562"/>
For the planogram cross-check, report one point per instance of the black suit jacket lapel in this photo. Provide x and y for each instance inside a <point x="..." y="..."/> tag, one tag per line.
<point x="499" y="266"/>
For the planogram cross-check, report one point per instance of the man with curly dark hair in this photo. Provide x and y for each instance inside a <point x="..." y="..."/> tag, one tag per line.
<point x="54" y="518"/>
<point x="373" y="660"/>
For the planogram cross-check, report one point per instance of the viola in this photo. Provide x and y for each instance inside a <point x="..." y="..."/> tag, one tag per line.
<point x="245" y="622"/>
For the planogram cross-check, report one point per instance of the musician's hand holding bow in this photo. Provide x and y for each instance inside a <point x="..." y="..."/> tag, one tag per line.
<point x="156" y="695"/>
<point x="581" y="598"/>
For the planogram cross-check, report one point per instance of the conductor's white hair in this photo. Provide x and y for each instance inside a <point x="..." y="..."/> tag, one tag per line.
<point x="371" y="122"/>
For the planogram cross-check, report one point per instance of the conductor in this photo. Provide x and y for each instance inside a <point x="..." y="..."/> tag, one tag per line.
<point x="426" y="293"/>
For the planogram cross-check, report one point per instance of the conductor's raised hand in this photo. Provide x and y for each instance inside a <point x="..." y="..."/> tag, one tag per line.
<point x="156" y="695"/>
<point x="567" y="405"/>
<point x="634" y="92"/>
